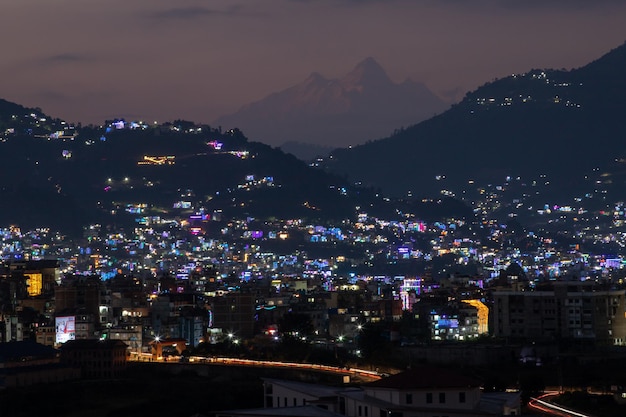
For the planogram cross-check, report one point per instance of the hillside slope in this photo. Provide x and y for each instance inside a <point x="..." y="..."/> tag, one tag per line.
<point x="543" y="125"/>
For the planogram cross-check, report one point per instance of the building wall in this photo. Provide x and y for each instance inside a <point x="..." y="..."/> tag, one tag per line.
<point x="234" y="312"/>
<point x="45" y="335"/>
<point x="572" y="311"/>
<point x="355" y="408"/>
<point x="31" y="376"/>
<point x="96" y="359"/>
<point x="430" y="398"/>
<point x="277" y="396"/>
<point x="81" y="294"/>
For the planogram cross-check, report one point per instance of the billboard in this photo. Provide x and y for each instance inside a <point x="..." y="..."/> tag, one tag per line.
<point x="65" y="329"/>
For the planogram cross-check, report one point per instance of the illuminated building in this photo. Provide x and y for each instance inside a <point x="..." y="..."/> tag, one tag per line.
<point x="34" y="283"/>
<point x="411" y="287"/>
<point x="41" y="275"/>
<point x="456" y="323"/>
<point x="483" y="315"/>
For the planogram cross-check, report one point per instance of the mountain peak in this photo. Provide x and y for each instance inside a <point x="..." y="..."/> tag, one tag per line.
<point x="315" y="78"/>
<point x="369" y="64"/>
<point x="366" y="72"/>
<point x="362" y="105"/>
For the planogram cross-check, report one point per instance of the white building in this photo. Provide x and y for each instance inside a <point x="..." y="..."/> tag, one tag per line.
<point x="420" y="392"/>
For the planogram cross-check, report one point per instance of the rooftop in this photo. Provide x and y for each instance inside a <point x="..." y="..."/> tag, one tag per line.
<point x="424" y="378"/>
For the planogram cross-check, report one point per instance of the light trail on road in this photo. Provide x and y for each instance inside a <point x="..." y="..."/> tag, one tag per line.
<point x="364" y="373"/>
<point x="544" y="406"/>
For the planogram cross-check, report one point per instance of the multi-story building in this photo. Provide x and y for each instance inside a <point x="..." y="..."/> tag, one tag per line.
<point x="192" y="325"/>
<point x="29" y="363"/>
<point x="425" y="392"/>
<point x="45" y="335"/>
<point x="79" y="293"/>
<point x="562" y="310"/>
<point x="420" y="392"/>
<point x="234" y="314"/>
<point x="457" y="321"/>
<point x="130" y="333"/>
<point x="95" y="358"/>
<point x="41" y="275"/>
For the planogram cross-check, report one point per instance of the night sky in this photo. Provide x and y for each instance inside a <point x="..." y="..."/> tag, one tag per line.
<point x="89" y="60"/>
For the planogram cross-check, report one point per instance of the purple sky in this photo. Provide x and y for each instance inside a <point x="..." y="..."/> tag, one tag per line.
<point x="89" y="60"/>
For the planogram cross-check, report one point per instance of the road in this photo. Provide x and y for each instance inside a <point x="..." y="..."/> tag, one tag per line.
<point x="543" y="405"/>
<point x="354" y="372"/>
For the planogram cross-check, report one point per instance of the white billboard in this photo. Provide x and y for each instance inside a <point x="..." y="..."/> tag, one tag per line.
<point x="65" y="329"/>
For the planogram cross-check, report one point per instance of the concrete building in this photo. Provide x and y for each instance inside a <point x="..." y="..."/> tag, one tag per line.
<point x="78" y="293"/>
<point x="234" y="313"/>
<point x="29" y="363"/>
<point x="420" y="392"/>
<point x="95" y="358"/>
<point x="562" y="310"/>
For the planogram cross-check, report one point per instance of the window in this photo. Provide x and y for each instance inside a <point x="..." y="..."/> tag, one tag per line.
<point x="409" y="398"/>
<point x="366" y="411"/>
<point x="429" y="398"/>
<point x="442" y="398"/>
<point x="285" y="401"/>
<point x="461" y="397"/>
<point x="360" y="412"/>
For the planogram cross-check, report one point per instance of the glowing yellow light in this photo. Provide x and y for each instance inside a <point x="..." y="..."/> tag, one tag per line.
<point x="34" y="283"/>
<point x="483" y="315"/>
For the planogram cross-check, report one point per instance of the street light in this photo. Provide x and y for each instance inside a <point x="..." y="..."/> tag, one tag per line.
<point x="158" y="349"/>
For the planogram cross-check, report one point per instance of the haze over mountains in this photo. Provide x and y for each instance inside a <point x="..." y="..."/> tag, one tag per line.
<point x="363" y="105"/>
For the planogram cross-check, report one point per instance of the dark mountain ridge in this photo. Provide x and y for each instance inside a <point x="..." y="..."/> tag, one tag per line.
<point x="552" y="123"/>
<point x="54" y="174"/>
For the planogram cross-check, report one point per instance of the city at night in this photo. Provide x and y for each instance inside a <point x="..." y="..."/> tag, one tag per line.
<point x="313" y="208"/>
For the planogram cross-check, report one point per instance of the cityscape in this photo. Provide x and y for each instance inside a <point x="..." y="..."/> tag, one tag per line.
<point x="372" y="295"/>
<point x="228" y="221"/>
